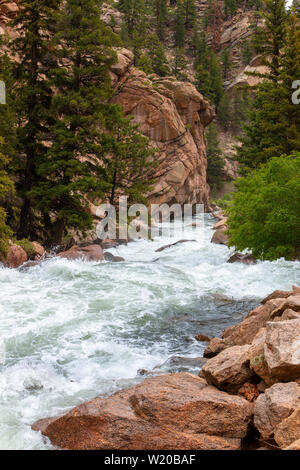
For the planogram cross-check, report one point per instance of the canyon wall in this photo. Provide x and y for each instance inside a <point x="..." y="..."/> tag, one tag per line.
<point x="174" y="116"/>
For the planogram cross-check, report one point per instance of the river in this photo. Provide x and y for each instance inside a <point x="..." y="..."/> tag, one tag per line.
<point x="72" y="330"/>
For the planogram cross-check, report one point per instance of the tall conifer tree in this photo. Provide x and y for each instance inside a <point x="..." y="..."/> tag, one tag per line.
<point x="34" y="27"/>
<point x="72" y="171"/>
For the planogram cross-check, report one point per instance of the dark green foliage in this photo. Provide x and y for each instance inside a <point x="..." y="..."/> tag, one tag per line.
<point x="209" y="76"/>
<point x="157" y="56"/>
<point x="190" y="13"/>
<point x="215" y="160"/>
<point x="179" y="24"/>
<point x="226" y="63"/>
<point x="247" y="52"/>
<point x="71" y="173"/>
<point x="274" y="123"/>
<point x="269" y="38"/>
<point x="225" y="112"/>
<point x="240" y="107"/>
<point x="27" y="247"/>
<point x="7" y="192"/>
<point x="34" y="22"/>
<point x="230" y="8"/>
<point x="296" y="6"/>
<point x="145" y="64"/>
<point x="180" y="65"/>
<point x="128" y="159"/>
<point x="265" y="216"/>
<point x="8" y="112"/>
<point x="135" y="25"/>
<point x="161" y="13"/>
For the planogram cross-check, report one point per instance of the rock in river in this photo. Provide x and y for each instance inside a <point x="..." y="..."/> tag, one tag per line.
<point x="174" y="411"/>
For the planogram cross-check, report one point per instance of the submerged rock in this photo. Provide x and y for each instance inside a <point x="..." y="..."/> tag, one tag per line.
<point x="88" y="253"/>
<point x="220" y="237"/>
<point x="114" y="259"/>
<point x="174" y="411"/>
<point x="181" y="362"/>
<point x="173" y="244"/>
<point x="246" y="258"/>
<point x="202" y="338"/>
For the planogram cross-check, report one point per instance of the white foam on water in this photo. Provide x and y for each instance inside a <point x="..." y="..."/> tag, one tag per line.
<point x="72" y="330"/>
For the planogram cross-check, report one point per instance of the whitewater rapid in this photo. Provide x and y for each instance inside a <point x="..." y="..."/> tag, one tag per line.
<point x="72" y="330"/>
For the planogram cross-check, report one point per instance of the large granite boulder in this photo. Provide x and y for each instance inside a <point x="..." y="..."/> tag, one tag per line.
<point x="288" y="431"/>
<point x="230" y="369"/>
<point x="272" y="407"/>
<point x="174" y="411"/>
<point x="282" y="350"/>
<point x="173" y="115"/>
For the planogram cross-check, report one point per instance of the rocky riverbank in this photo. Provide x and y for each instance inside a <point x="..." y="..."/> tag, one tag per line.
<point x="247" y="394"/>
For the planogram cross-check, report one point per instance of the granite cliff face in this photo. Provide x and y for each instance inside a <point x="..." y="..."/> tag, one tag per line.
<point x="174" y="116"/>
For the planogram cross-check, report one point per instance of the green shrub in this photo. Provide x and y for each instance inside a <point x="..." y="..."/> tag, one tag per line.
<point x="5" y="234"/>
<point x="27" y="247"/>
<point x="265" y="215"/>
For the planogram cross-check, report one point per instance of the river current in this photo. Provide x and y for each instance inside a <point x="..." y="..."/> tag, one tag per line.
<point x="73" y="330"/>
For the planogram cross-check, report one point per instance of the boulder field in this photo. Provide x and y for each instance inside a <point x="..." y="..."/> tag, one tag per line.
<point x="249" y="389"/>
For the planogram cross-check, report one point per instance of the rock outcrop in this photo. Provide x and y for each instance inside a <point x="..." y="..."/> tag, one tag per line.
<point x="173" y="115"/>
<point x="178" y="411"/>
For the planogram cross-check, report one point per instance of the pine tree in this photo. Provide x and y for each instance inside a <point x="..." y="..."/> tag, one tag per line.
<point x="290" y="68"/>
<point x="273" y="128"/>
<point x="135" y="27"/>
<point x="180" y="65"/>
<point x="157" y="55"/>
<point x="71" y="173"/>
<point x="9" y="112"/>
<point x="34" y="25"/>
<point x="209" y="76"/>
<point x="215" y="161"/>
<point x="128" y="159"/>
<point x="241" y="103"/>
<point x="230" y="8"/>
<point x="161" y="13"/>
<point x="145" y="64"/>
<point x="226" y="63"/>
<point x="190" y="13"/>
<point x="269" y="38"/>
<point x="179" y="26"/>
<point x="224" y="112"/>
<point x="7" y="192"/>
<point x="213" y="20"/>
<point x="247" y="52"/>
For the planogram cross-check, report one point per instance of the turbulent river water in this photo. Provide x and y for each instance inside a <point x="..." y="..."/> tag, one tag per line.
<point x="72" y="330"/>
